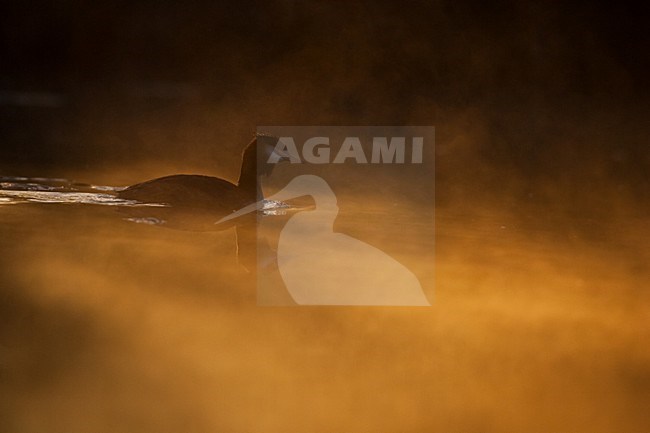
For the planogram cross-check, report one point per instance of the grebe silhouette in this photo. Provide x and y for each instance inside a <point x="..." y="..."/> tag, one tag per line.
<point x="321" y="267"/>
<point x="194" y="202"/>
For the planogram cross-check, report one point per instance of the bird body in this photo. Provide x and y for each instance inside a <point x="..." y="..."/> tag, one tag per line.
<point x="189" y="191"/>
<point x="195" y="202"/>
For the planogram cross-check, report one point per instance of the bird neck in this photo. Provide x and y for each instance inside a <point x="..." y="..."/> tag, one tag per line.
<point x="248" y="178"/>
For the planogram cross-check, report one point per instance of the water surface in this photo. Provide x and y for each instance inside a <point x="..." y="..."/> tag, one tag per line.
<point x="537" y="324"/>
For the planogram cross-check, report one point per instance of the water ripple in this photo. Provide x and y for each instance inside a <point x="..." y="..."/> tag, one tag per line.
<point x="14" y="190"/>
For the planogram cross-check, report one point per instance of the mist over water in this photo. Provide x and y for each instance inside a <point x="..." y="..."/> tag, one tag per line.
<point x="540" y="309"/>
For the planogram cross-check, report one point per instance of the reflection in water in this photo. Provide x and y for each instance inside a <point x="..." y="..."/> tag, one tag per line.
<point x="13" y="197"/>
<point x="43" y="190"/>
<point x="113" y="326"/>
<point x="25" y="190"/>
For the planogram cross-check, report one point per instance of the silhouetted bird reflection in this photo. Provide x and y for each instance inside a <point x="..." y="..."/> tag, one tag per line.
<point x="195" y="202"/>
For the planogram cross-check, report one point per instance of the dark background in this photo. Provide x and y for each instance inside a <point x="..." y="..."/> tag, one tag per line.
<point x="526" y="97"/>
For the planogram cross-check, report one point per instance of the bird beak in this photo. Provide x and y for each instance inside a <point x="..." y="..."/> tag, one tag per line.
<point x="282" y="195"/>
<point x="243" y="211"/>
